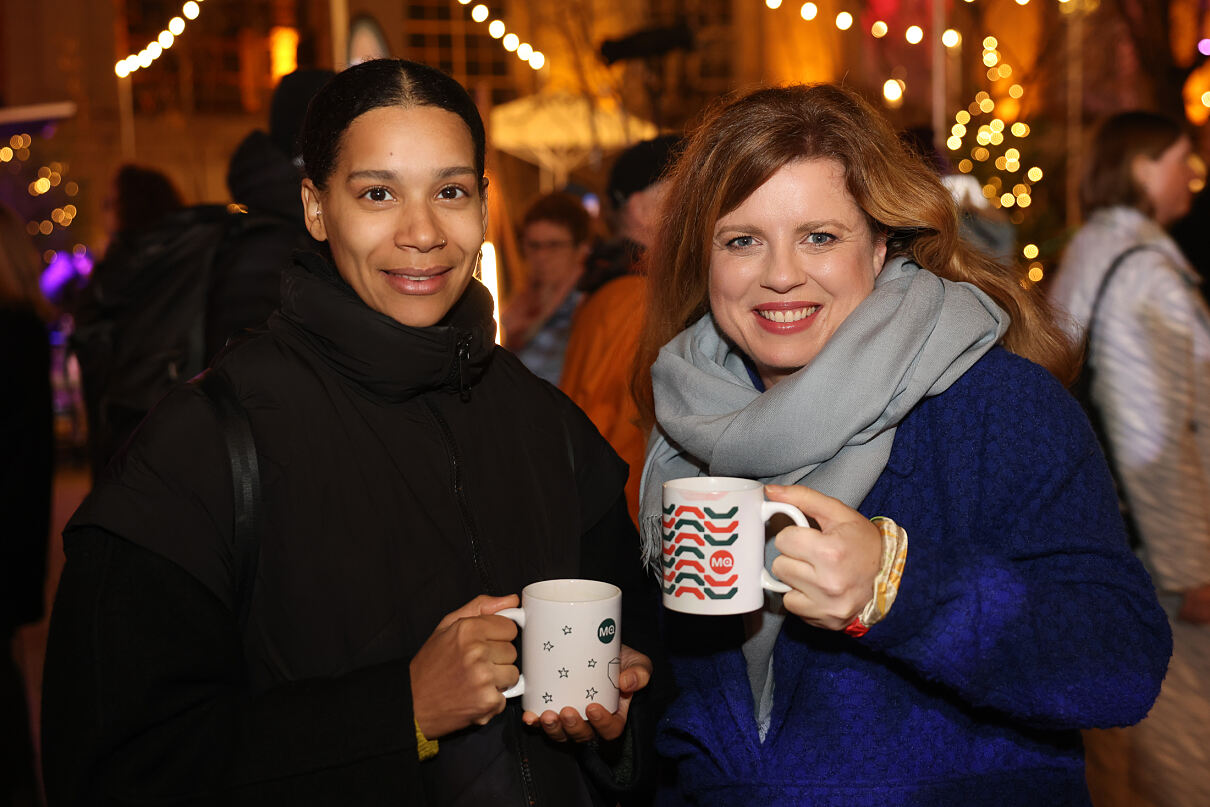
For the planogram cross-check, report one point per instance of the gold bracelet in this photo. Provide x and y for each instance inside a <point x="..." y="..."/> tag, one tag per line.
<point x="890" y="571"/>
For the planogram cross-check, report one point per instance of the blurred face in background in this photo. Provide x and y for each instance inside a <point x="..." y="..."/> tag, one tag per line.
<point x="551" y="253"/>
<point x="1168" y="180"/>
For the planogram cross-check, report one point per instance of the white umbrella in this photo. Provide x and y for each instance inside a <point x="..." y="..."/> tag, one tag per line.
<point x="560" y="131"/>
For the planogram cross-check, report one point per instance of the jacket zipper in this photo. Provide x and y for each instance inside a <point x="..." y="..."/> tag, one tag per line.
<point x="463" y="354"/>
<point x="468" y="522"/>
<point x="527" y="775"/>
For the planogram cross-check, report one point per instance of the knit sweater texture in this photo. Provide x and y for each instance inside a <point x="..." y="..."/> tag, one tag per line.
<point x="1021" y="618"/>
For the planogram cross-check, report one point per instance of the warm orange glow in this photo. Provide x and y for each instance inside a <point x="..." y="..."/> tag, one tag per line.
<point x="1196" y="92"/>
<point x="283" y="51"/>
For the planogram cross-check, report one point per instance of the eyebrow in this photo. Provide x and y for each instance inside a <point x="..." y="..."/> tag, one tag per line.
<point x="386" y="175"/>
<point x="805" y="227"/>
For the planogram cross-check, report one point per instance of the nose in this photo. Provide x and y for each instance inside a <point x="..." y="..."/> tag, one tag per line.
<point x="418" y="228"/>
<point x="783" y="271"/>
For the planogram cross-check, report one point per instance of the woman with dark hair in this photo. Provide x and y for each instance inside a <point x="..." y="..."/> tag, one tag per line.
<point x="149" y="230"/>
<point x="1148" y="356"/>
<point x="816" y="323"/>
<point x="414" y="477"/>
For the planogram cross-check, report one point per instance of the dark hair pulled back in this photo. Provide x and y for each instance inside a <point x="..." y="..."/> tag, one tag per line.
<point x="370" y="85"/>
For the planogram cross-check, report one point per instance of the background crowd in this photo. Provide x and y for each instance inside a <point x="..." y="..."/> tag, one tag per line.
<point x="639" y="317"/>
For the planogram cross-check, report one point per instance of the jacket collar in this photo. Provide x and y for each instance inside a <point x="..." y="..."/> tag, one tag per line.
<point x="390" y="361"/>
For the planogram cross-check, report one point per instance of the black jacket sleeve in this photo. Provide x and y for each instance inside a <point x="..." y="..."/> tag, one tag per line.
<point x="144" y="701"/>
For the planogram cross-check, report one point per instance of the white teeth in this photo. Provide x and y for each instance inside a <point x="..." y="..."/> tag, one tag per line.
<point x="793" y="315"/>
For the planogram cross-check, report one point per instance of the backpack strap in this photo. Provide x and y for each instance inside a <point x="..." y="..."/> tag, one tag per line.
<point x="245" y="479"/>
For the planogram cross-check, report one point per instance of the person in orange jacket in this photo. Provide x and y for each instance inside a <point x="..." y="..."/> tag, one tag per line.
<point x="597" y="368"/>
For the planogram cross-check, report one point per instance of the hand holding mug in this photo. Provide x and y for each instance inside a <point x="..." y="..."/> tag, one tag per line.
<point x="831" y="569"/>
<point x="567" y="724"/>
<point x="460" y="670"/>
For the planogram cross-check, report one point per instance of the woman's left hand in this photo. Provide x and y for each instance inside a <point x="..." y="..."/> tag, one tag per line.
<point x="568" y="725"/>
<point x="831" y="569"/>
<point x="1195" y="606"/>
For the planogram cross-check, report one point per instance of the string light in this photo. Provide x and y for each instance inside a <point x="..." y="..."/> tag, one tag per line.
<point x="992" y="134"/>
<point x="512" y="43"/>
<point x="162" y="42"/>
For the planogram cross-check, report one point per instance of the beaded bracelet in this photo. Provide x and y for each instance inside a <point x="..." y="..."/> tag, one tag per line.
<point x="425" y="748"/>
<point x="886" y="584"/>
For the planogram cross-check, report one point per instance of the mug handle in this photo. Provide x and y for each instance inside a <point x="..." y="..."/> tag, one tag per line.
<point x="767" y="511"/>
<point x="517" y="615"/>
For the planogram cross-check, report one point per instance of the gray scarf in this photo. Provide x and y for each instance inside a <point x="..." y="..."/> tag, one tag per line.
<point x="830" y="425"/>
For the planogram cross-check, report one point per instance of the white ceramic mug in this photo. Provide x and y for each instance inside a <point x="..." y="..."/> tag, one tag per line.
<point x="571" y="641"/>
<point x="713" y="559"/>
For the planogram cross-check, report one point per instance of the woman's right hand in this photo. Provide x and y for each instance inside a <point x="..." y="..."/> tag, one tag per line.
<point x="461" y="669"/>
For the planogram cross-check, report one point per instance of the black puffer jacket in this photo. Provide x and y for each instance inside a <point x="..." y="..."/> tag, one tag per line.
<point x="405" y="471"/>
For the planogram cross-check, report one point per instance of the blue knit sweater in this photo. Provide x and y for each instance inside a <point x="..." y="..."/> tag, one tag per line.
<point x="1021" y="618"/>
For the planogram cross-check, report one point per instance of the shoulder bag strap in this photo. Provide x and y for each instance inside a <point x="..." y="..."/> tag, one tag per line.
<point x="1096" y="300"/>
<point x="245" y="479"/>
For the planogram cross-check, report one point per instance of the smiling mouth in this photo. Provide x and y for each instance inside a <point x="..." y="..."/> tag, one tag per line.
<point x="416" y="278"/>
<point x="790" y="315"/>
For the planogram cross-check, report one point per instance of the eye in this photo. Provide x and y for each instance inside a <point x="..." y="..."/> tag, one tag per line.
<point x="452" y="192"/>
<point x="741" y="242"/>
<point x="378" y="194"/>
<point x="820" y="239"/>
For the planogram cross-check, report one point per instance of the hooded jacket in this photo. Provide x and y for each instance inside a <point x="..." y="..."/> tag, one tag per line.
<point x="244" y="291"/>
<point x="404" y="471"/>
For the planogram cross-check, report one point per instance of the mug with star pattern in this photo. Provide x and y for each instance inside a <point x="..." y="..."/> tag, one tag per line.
<point x="571" y="640"/>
